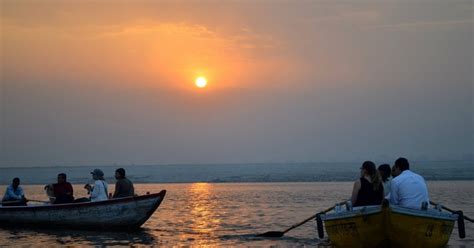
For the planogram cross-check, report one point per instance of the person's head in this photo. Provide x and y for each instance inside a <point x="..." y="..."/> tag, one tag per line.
<point x="401" y="164"/>
<point x="120" y="173"/>
<point x="15" y="182"/>
<point x="49" y="190"/>
<point x="385" y="171"/>
<point x="97" y="174"/>
<point x="62" y="178"/>
<point x="367" y="168"/>
<point x="394" y="172"/>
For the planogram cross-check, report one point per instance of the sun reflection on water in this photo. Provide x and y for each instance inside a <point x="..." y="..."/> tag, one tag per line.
<point x="204" y="220"/>
<point x="226" y="215"/>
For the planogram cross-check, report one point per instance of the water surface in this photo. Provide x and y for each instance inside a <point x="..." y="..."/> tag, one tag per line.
<point x="230" y="214"/>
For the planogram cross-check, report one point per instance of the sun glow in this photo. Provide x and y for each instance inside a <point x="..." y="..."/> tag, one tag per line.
<point x="201" y="82"/>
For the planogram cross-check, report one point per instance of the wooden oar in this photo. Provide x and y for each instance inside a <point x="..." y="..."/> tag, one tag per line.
<point x="9" y="202"/>
<point x="452" y="211"/>
<point x="21" y="201"/>
<point x="278" y="234"/>
<point x="33" y="200"/>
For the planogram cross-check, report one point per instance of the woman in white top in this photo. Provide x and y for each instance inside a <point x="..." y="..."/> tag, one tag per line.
<point x="99" y="192"/>
<point x="385" y="172"/>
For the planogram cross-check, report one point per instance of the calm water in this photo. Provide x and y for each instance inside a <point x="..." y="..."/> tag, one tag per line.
<point x="229" y="214"/>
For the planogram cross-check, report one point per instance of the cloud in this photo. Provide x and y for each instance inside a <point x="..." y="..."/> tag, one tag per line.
<point x="425" y="24"/>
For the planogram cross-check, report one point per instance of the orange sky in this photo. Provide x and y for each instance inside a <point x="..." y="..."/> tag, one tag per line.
<point x="113" y="81"/>
<point x="77" y="42"/>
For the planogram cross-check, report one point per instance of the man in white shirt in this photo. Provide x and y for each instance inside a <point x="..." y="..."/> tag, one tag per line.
<point x="408" y="189"/>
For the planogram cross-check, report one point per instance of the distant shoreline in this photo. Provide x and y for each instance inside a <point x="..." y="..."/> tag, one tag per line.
<point x="151" y="183"/>
<point x="235" y="173"/>
<point x="223" y="164"/>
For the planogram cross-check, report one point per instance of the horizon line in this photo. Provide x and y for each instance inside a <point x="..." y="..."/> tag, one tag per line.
<point x="216" y="164"/>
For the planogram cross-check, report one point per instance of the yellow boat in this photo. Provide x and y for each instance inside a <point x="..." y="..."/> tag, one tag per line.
<point x="387" y="226"/>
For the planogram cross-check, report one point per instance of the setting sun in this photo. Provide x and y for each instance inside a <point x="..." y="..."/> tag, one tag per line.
<point x="201" y="82"/>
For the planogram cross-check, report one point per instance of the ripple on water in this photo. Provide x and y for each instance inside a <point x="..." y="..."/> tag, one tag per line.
<point x="231" y="214"/>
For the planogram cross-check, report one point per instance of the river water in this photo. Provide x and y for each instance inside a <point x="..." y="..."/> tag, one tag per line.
<point x="230" y="214"/>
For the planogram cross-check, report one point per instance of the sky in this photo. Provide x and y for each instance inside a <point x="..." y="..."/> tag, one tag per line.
<point x="112" y="82"/>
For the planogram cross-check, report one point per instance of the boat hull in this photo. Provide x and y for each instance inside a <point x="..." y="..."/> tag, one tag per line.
<point x="122" y="213"/>
<point x="384" y="226"/>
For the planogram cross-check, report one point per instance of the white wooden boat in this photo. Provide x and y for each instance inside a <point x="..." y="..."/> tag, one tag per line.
<point x="121" y="213"/>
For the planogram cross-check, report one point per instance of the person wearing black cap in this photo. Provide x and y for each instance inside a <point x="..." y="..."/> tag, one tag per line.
<point x="99" y="191"/>
<point x="123" y="186"/>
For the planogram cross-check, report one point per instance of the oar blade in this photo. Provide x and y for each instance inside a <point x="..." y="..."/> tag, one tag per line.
<point x="271" y="234"/>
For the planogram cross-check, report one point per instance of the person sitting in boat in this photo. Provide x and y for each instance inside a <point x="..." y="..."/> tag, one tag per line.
<point x="14" y="195"/>
<point x="49" y="190"/>
<point x="123" y="186"/>
<point x="385" y="172"/>
<point x="99" y="191"/>
<point x="408" y="189"/>
<point x="368" y="190"/>
<point x="62" y="190"/>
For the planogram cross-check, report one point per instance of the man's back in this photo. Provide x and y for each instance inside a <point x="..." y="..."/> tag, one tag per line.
<point x="123" y="188"/>
<point x="408" y="190"/>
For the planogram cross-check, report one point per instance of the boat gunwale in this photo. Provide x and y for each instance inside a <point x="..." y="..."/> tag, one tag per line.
<point x="371" y="210"/>
<point x="113" y="201"/>
<point x="360" y="212"/>
<point x="430" y="213"/>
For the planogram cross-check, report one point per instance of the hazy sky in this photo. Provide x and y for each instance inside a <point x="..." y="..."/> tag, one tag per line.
<point x="103" y="82"/>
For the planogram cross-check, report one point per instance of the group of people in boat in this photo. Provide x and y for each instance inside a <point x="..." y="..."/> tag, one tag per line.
<point x="398" y="184"/>
<point x="63" y="192"/>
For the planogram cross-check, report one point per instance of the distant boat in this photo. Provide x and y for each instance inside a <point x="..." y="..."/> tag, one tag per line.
<point x="119" y="214"/>
<point x="388" y="226"/>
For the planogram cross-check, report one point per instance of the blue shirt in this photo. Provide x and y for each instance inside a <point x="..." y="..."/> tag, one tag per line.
<point x="13" y="195"/>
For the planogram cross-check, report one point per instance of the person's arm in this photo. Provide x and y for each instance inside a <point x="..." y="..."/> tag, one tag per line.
<point x="394" y="193"/>
<point x="355" y="191"/>
<point x="427" y="193"/>
<point x="117" y="189"/>
<point x="95" y="190"/>
<point x="10" y="194"/>
<point x="21" y="193"/>
<point x="69" y="190"/>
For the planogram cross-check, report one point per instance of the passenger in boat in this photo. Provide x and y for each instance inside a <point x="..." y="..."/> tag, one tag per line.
<point x="49" y="190"/>
<point x="123" y="186"/>
<point x="408" y="189"/>
<point x="14" y="195"/>
<point x="99" y="191"/>
<point x="385" y="172"/>
<point x="62" y="190"/>
<point x="368" y="190"/>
